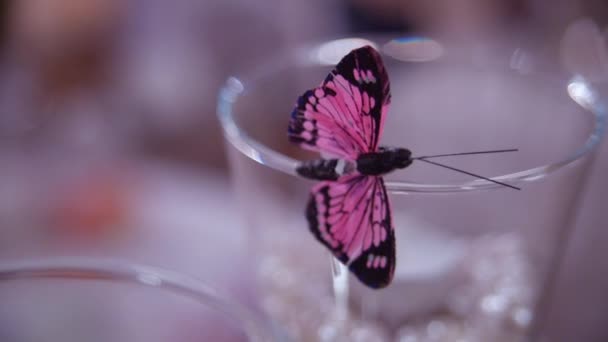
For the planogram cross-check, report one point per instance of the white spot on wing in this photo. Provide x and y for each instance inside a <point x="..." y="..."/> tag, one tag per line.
<point x="340" y="167"/>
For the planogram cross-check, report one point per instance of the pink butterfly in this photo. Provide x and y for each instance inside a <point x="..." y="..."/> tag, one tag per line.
<point x="349" y="211"/>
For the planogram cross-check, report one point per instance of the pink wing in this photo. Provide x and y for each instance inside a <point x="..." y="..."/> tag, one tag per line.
<point x="352" y="218"/>
<point x="345" y="115"/>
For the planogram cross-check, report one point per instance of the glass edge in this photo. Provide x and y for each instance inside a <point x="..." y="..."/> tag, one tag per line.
<point x="264" y="155"/>
<point x="254" y="327"/>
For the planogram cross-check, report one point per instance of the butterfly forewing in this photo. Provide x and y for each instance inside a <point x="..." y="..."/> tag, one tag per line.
<point x="364" y="83"/>
<point x="352" y="218"/>
<point x="345" y="115"/>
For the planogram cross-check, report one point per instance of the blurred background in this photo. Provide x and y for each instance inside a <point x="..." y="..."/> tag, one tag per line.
<point x="109" y="143"/>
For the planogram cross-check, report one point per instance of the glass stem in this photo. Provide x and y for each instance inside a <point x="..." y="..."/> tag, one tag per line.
<point x="340" y="283"/>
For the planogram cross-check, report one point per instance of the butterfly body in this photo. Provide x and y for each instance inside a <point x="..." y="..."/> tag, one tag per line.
<point x="386" y="160"/>
<point x="326" y="169"/>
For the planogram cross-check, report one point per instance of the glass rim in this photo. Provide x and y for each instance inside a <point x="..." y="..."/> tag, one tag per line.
<point x="118" y="271"/>
<point x="578" y="88"/>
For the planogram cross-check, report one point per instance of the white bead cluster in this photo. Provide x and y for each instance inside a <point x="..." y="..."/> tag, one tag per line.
<point x="493" y="304"/>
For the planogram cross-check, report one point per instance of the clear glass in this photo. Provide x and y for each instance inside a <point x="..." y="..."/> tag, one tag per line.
<point x="79" y="299"/>
<point x="475" y="260"/>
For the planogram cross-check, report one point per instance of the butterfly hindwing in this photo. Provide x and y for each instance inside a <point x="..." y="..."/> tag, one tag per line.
<point x="376" y="265"/>
<point x="345" y="115"/>
<point x="352" y="218"/>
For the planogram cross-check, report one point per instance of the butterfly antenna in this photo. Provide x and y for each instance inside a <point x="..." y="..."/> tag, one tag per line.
<point x="467" y="153"/>
<point x="468" y="173"/>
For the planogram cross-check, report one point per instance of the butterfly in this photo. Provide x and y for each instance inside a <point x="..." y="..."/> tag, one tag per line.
<point x="349" y="210"/>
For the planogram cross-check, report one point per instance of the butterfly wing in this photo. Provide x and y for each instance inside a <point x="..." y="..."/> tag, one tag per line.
<point x="362" y="80"/>
<point x="345" y="115"/>
<point x="352" y="218"/>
